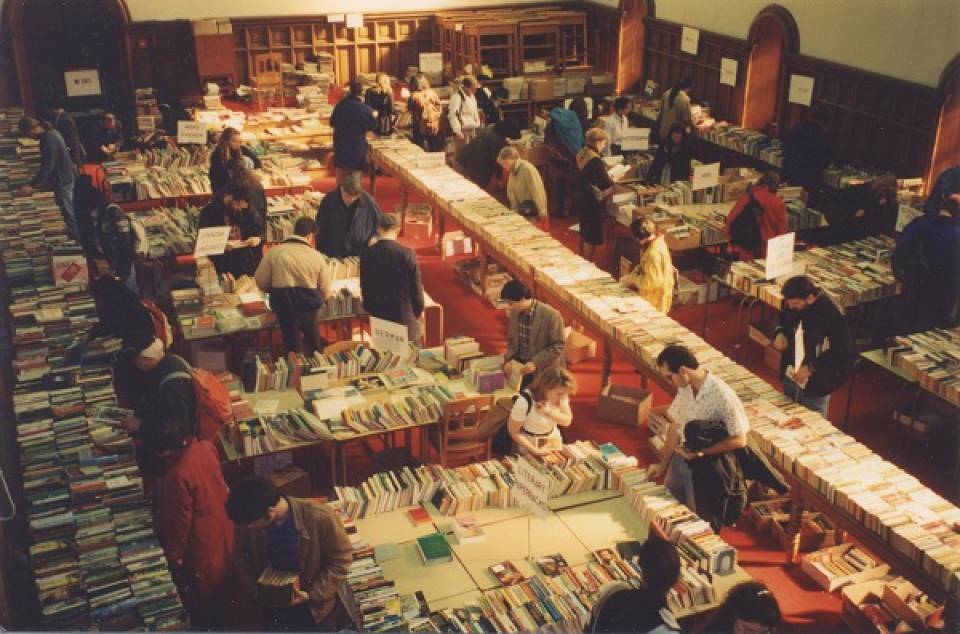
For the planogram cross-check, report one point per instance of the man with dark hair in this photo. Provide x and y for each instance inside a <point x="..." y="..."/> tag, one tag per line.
<point x="827" y="346"/>
<point x="347" y="219"/>
<point x="67" y="127"/>
<point x="701" y="396"/>
<point x="299" y="280"/>
<point x="231" y="207"/>
<point x="390" y="279"/>
<point x="534" y="333"/>
<point x="351" y="120"/>
<point x="294" y="535"/>
<point x="616" y="123"/>
<point x="193" y="526"/>
<point x="57" y="170"/>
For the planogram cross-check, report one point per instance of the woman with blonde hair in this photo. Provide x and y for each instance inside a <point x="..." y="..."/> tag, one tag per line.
<point x="380" y="98"/>
<point x="540" y="411"/>
<point x="229" y="148"/>
<point x="652" y="277"/>
<point x="425" y="110"/>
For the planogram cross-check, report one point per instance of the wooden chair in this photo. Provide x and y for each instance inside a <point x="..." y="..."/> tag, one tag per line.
<point x="458" y="429"/>
<point x="267" y="78"/>
<point x="342" y="346"/>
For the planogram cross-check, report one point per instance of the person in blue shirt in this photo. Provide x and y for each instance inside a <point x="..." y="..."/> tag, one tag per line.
<point x="351" y="120"/>
<point x="57" y="170"/>
<point x="947" y="184"/>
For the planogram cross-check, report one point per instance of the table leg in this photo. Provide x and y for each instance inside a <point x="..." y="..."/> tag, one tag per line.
<point x="606" y="364"/>
<point x="373" y="179"/>
<point x="706" y="309"/>
<point x="793" y="528"/>
<point x="343" y="463"/>
<point x="853" y="380"/>
<point x="333" y="464"/>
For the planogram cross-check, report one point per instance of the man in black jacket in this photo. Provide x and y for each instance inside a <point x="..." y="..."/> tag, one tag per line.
<point x="806" y="153"/>
<point x="347" y="219"/>
<point x="231" y="207"/>
<point x="390" y="279"/>
<point x="67" y="127"/>
<point x="827" y="345"/>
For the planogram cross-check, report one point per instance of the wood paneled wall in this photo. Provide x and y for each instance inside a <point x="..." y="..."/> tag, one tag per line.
<point x="162" y="57"/>
<point x="875" y="121"/>
<point x="665" y="64"/>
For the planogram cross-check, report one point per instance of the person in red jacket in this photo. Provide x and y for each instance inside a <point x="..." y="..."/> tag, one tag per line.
<point x="196" y="534"/>
<point x="772" y="220"/>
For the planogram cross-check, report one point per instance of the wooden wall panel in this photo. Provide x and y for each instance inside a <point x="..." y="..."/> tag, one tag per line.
<point x="875" y="121"/>
<point x="603" y="36"/>
<point x="665" y="64"/>
<point x="162" y="57"/>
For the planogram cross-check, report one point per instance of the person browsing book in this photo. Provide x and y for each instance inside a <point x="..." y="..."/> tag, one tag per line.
<point x="652" y="277"/>
<point x="756" y="217"/>
<point x="231" y="207"/>
<point x="672" y="160"/>
<point x="463" y="113"/>
<point x="594" y="187"/>
<point x="614" y="125"/>
<point x="299" y="280"/>
<point x="539" y="412"/>
<point x="292" y="535"/>
<point x="57" y="170"/>
<point x="827" y="346"/>
<point x="229" y="148"/>
<point x="347" y="219"/>
<point x="525" y="190"/>
<point x="749" y="608"/>
<point x="535" y="338"/>
<point x="701" y="396"/>
<point x="351" y="120"/>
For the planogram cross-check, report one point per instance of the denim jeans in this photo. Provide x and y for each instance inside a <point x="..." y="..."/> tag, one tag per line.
<point x="816" y="403"/>
<point x="63" y="195"/>
<point x="679" y="481"/>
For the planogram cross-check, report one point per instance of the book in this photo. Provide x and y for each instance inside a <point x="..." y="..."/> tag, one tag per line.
<point x="507" y="573"/>
<point x="552" y="565"/>
<point x="277" y="588"/>
<point x="467" y="530"/>
<point x="433" y="549"/>
<point x="418" y="515"/>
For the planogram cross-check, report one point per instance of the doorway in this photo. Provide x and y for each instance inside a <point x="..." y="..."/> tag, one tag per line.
<point x="772" y="33"/>
<point x="947" y="140"/>
<point x="633" y="26"/>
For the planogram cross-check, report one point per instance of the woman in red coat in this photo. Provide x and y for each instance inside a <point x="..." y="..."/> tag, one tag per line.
<point x="196" y="533"/>
<point x="772" y="220"/>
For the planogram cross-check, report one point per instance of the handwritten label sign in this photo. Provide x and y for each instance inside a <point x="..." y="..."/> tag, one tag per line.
<point x="82" y="83"/>
<point x="354" y="20"/>
<point x="635" y="139"/>
<point x="389" y="336"/>
<point x="728" y="71"/>
<point x="801" y="90"/>
<point x="191" y="132"/>
<point x="706" y="176"/>
<point x="905" y="216"/>
<point x="531" y="488"/>
<point x="211" y="241"/>
<point x="431" y="63"/>
<point x="779" y="256"/>
<point x="689" y="40"/>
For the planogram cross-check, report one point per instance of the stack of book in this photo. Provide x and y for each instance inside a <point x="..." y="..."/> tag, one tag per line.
<point x="932" y="359"/>
<point x="749" y="142"/>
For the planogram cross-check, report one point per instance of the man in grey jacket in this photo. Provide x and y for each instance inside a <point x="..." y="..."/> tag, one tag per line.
<point x="535" y="332"/>
<point x="57" y="170"/>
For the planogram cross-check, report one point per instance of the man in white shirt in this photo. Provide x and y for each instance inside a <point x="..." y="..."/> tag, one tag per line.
<point x="463" y="112"/>
<point x="615" y="124"/>
<point x="700" y="396"/>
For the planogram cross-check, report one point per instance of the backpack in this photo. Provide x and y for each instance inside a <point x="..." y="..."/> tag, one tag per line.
<point x="213" y="401"/>
<point x="745" y="228"/>
<point x="161" y="325"/>
<point x="431" y="115"/>
<point x="116" y="238"/>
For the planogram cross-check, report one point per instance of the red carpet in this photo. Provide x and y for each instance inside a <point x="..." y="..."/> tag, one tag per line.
<point x="805" y="606"/>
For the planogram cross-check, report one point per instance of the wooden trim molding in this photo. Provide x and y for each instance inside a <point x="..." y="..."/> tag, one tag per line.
<point x="787" y="25"/>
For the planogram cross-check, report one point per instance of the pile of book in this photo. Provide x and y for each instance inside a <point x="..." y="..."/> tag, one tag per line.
<point x="890" y="604"/>
<point x="370" y="597"/>
<point x="838" y="566"/>
<point x="267" y="434"/>
<point x="932" y="359"/>
<point x="749" y="142"/>
<point x="284" y="211"/>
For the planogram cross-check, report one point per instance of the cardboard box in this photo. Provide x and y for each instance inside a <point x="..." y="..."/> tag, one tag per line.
<point x="831" y="583"/>
<point x="855" y="594"/>
<point x="772" y="358"/>
<point x="624" y="405"/>
<point x="541" y="89"/>
<point x="812" y="536"/>
<point x="576" y="84"/>
<point x="537" y="154"/>
<point x="682" y="240"/>
<point x="418" y="227"/>
<point x="579" y="347"/>
<point x="559" y="87"/>
<point x="456" y="243"/>
<point x="763" y="512"/>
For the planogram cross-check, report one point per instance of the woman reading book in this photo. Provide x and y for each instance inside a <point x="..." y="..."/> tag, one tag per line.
<point x="652" y="277"/>
<point x="539" y="412"/>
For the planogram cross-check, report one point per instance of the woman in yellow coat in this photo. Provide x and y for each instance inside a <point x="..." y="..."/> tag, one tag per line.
<point x="652" y="277"/>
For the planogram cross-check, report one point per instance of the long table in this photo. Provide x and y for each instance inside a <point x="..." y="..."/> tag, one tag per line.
<point x="593" y="299"/>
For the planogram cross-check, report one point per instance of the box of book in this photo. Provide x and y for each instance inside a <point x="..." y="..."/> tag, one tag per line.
<point x="276" y="588"/>
<point x="838" y="566"/>
<point x="624" y="405"/>
<point x="541" y="89"/>
<point x="579" y="347"/>
<point x="417" y="228"/>
<point x="763" y="512"/>
<point x="456" y="243"/>
<point x="683" y="238"/>
<point x="815" y="532"/>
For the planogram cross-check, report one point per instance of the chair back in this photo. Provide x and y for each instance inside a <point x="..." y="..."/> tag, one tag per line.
<point x="268" y="73"/>
<point x="461" y="418"/>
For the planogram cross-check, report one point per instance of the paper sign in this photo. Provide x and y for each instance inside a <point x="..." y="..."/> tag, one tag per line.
<point x="431" y="63"/>
<point x="801" y="90"/>
<point x="905" y="216"/>
<point x="191" y="132"/>
<point x="211" y="241"/>
<point x="728" y="71"/>
<point x="706" y="176"/>
<point x="354" y="20"/>
<point x="689" y="40"/>
<point x="779" y="256"/>
<point x="635" y="139"/>
<point x="82" y="83"/>
<point x="388" y="336"/>
<point x="530" y="488"/>
<point x="336" y="18"/>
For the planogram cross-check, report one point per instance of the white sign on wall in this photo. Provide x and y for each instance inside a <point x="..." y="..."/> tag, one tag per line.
<point x="82" y="83"/>
<point x="801" y="90"/>
<point x="336" y="18"/>
<point x="354" y="20"/>
<point x="706" y="176"/>
<point x="779" y="256"/>
<point x="689" y="40"/>
<point x="431" y="63"/>
<point x="531" y="489"/>
<point x="728" y="71"/>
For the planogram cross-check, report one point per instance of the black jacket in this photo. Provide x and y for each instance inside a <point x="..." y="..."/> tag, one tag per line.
<point x="678" y="157"/>
<point x="67" y="128"/>
<point x="824" y="326"/>
<point x="237" y="262"/>
<point x="390" y="282"/>
<point x="382" y="103"/>
<point x="806" y="153"/>
<point x="876" y="219"/>
<point x="218" y="168"/>
<point x="718" y="484"/>
<point x="120" y="313"/>
<point x="345" y="231"/>
<point x="142" y="391"/>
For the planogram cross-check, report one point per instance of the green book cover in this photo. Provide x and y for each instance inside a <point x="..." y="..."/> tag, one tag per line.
<point x="433" y="549"/>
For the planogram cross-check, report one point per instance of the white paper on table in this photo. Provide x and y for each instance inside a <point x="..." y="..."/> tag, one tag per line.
<point x="728" y="71"/>
<point x="211" y="241"/>
<point x="905" y="216"/>
<point x="705" y="176"/>
<point x="779" y="256"/>
<point x="801" y="90"/>
<point x="689" y="40"/>
<point x="332" y="407"/>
